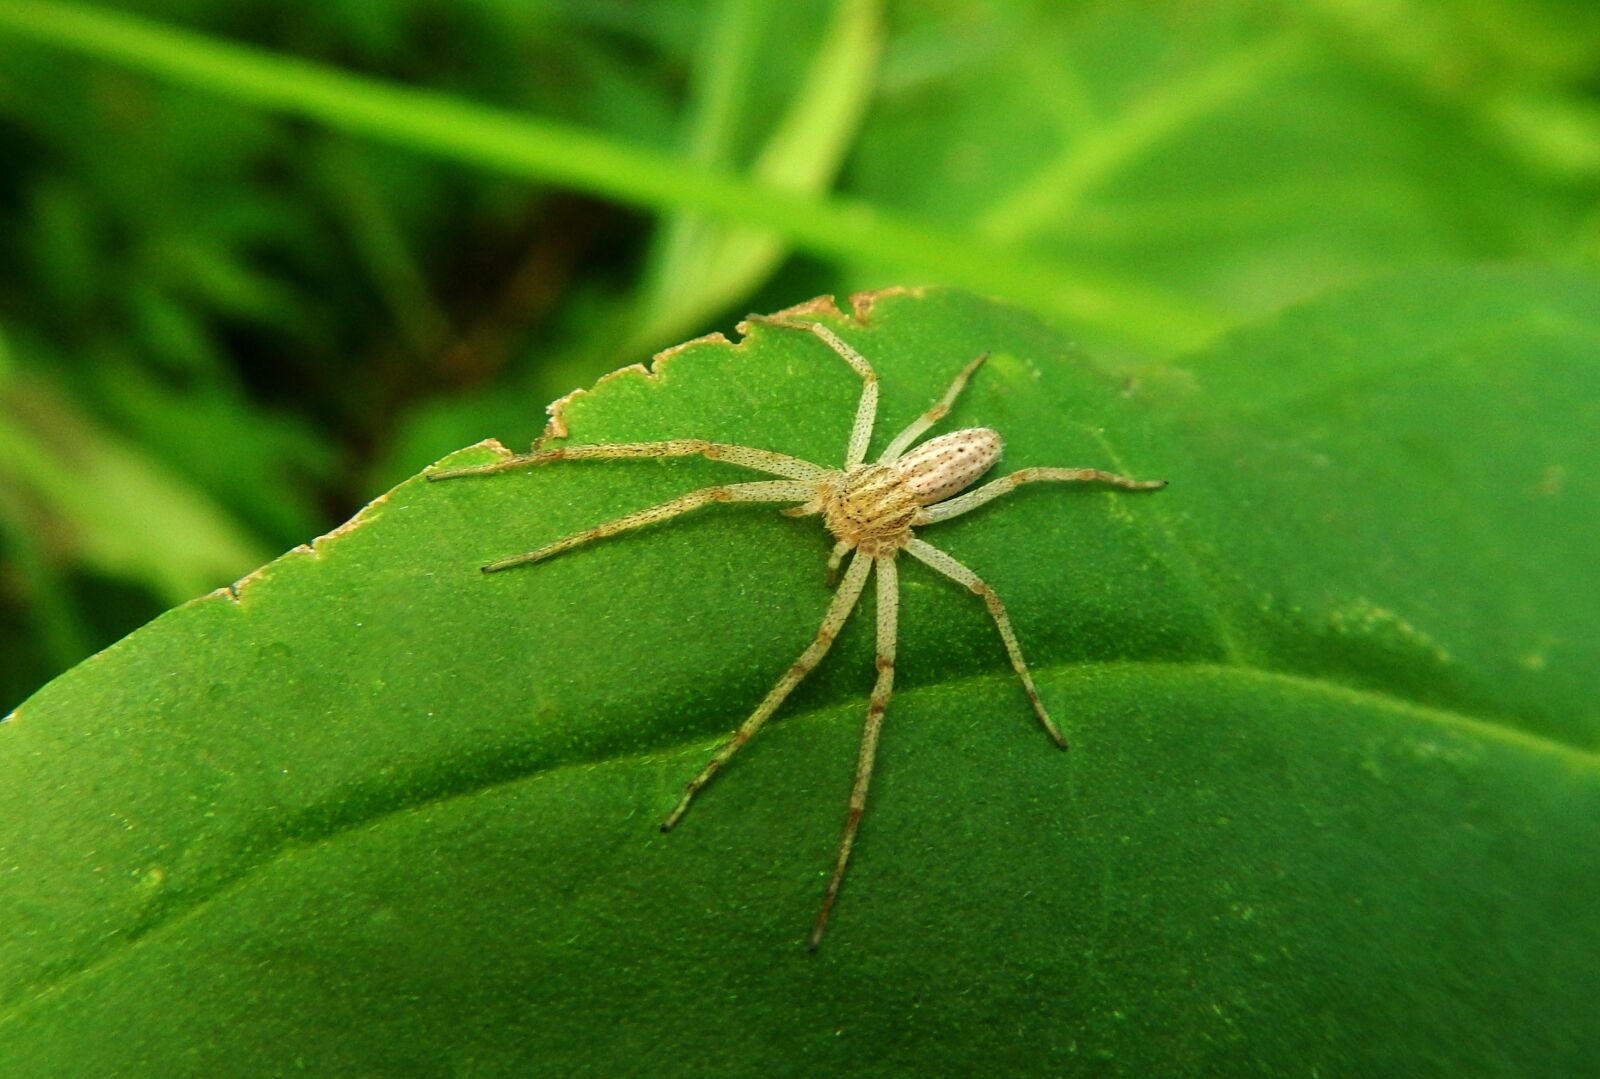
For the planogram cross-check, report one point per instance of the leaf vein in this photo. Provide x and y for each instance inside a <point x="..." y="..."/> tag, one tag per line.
<point x="120" y="947"/>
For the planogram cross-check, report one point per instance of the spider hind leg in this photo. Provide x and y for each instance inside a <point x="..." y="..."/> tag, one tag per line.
<point x="888" y="619"/>
<point x="930" y="555"/>
<point x="843" y="602"/>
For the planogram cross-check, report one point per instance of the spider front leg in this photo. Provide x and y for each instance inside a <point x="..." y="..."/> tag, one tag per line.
<point x="930" y="555"/>
<point x="755" y="491"/>
<point x="955" y="507"/>
<point x="939" y="410"/>
<point x="867" y="409"/>
<point x="769" y="461"/>
<point x="844" y="600"/>
<point x="888" y="618"/>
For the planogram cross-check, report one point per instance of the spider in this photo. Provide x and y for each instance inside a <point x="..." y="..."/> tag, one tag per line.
<point x="871" y="509"/>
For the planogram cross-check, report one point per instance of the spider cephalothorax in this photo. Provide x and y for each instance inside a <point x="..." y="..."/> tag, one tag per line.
<point x="870" y="509"/>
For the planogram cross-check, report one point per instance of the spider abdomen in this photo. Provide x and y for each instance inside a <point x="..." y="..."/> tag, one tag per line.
<point x="942" y="466"/>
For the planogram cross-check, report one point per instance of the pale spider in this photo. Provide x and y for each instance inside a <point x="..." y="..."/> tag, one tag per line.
<point x="868" y="508"/>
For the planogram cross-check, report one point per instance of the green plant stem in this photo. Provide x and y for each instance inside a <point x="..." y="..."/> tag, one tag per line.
<point x="536" y="149"/>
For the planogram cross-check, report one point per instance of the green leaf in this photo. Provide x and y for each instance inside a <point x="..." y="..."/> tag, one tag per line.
<point x="1333" y="803"/>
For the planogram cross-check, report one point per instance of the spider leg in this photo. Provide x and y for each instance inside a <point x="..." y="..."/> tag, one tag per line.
<point x="927" y="553"/>
<point x="955" y="507"/>
<point x="888" y="616"/>
<point x="838" y="610"/>
<point x="867" y="410"/>
<point x="840" y="549"/>
<point x="777" y="464"/>
<point x="940" y="409"/>
<point x="756" y="491"/>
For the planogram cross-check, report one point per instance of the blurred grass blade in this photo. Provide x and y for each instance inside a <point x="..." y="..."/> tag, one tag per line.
<point x="702" y="266"/>
<point x="1556" y="132"/>
<point x="111" y="506"/>
<point x="716" y="107"/>
<point x="1088" y="160"/>
<point x="535" y="149"/>
<point x="1447" y="53"/>
<point x="63" y="634"/>
<point x="395" y="271"/>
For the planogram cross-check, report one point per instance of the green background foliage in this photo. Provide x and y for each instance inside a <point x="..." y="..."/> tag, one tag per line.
<point x="1332" y="693"/>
